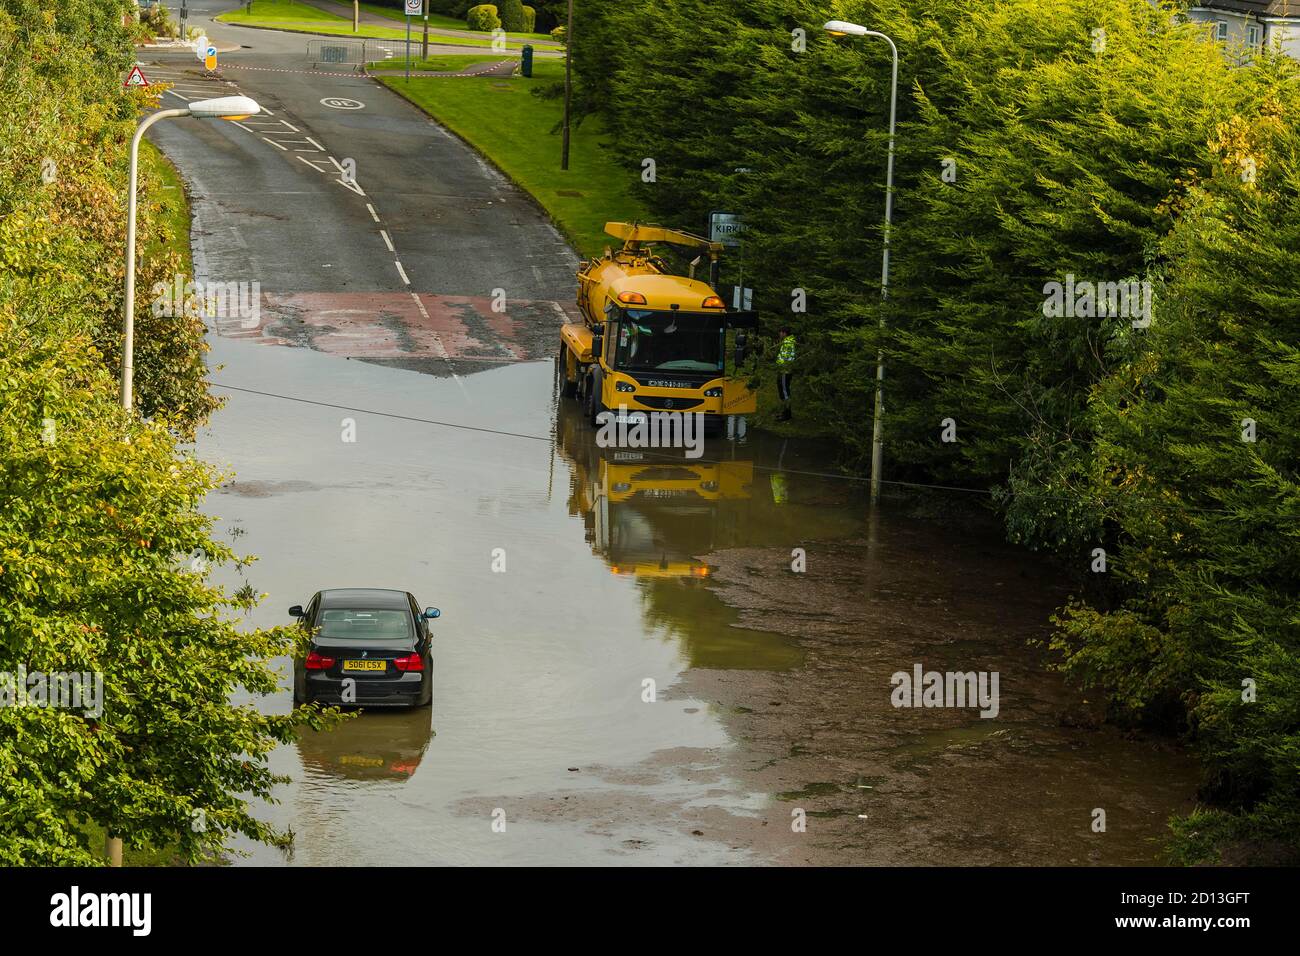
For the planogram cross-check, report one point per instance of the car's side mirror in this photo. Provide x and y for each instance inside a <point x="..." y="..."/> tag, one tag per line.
<point x="296" y="611"/>
<point x="431" y="612"/>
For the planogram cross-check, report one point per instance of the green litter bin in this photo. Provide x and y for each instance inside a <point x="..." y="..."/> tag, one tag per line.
<point x="526" y="61"/>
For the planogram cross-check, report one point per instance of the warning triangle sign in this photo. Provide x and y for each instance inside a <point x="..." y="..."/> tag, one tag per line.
<point x="136" y="78"/>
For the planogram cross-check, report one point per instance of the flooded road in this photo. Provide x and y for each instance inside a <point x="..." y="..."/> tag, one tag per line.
<point x="570" y="577"/>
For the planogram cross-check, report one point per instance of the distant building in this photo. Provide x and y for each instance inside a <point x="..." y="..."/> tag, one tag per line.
<point x="1252" y="23"/>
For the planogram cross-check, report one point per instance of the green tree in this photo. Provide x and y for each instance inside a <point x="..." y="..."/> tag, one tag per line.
<point x="512" y="15"/>
<point x="102" y="544"/>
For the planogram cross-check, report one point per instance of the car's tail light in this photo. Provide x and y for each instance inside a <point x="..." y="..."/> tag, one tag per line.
<point x="411" y="662"/>
<point x="317" y="663"/>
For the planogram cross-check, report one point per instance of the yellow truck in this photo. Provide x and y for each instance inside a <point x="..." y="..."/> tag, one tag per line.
<point x="651" y="341"/>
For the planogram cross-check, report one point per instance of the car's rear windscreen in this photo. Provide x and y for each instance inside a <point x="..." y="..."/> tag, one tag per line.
<point x="365" y="625"/>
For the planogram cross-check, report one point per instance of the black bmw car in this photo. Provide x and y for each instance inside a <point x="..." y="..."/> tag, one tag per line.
<point x="369" y="647"/>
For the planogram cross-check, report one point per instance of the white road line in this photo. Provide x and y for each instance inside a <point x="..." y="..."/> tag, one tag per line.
<point x="401" y="272"/>
<point x="313" y="165"/>
<point x="373" y="215"/>
<point x="316" y="144"/>
<point x="242" y="126"/>
<point x="276" y="145"/>
<point x="438" y="341"/>
<point x="388" y="242"/>
<point x="291" y="126"/>
<point x="178" y="96"/>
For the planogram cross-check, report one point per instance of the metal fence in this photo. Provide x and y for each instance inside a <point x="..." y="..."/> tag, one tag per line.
<point x="354" y="53"/>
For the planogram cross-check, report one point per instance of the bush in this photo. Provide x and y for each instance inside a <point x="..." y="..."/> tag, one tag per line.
<point x="512" y="15"/>
<point x="483" y="18"/>
<point x="530" y="19"/>
<point x="558" y="34"/>
<point x="158" y="21"/>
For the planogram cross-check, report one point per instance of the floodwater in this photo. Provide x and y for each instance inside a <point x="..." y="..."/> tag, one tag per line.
<point x="628" y="669"/>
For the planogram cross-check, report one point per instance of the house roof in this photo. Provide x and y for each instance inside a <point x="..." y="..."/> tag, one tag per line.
<point x="1262" y="8"/>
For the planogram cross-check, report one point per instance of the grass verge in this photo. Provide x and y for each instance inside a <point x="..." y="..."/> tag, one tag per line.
<point x="517" y="132"/>
<point x="300" y="18"/>
<point x="173" y="205"/>
<point x="444" y="62"/>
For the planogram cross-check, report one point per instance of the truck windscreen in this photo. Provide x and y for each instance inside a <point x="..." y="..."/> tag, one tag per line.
<point x="646" y="340"/>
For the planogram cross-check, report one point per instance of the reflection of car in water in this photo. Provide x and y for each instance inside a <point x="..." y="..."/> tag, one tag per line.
<point x="649" y="512"/>
<point x="385" y="745"/>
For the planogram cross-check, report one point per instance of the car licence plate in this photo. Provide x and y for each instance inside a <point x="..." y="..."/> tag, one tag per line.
<point x="365" y="665"/>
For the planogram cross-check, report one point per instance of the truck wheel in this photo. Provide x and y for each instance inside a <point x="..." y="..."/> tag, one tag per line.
<point x="592" y="405"/>
<point x="567" y="388"/>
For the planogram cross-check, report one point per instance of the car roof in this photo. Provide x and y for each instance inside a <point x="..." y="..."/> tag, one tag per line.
<point x="359" y="598"/>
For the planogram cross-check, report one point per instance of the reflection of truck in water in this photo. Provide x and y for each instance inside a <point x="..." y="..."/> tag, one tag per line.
<point x="650" y="341"/>
<point x="650" y="513"/>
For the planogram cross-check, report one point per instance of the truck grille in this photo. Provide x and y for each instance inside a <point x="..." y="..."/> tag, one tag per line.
<point x="668" y="404"/>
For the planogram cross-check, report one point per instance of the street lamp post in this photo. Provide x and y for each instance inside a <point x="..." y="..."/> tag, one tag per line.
<point x="844" y="28"/>
<point x="568" y="88"/>
<point x="225" y="107"/>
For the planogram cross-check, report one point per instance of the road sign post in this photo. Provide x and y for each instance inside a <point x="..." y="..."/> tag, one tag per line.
<point x="727" y="228"/>
<point x="413" y="8"/>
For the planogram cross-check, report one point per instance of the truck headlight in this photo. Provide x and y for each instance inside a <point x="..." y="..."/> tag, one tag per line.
<point x="713" y="393"/>
<point x="624" y="387"/>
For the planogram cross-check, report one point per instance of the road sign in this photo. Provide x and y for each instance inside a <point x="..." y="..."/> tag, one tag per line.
<point x="136" y="78"/>
<point x="201" y="47"/>
<point x="414" y="7"/>
<point x="342" y="103"/>
<point x="726" y="228"/>
<point x="210" y="61"/>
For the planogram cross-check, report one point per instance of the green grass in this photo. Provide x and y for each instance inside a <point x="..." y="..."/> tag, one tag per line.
<point x="442" y="22"/>
<point x="514" y="129"/>
<point x="444" y="62"/>
<point x="300" y="18"/>
<point x="132" y="857"/>
<point x="278" y="10"/>
<point x="175" y="205"/>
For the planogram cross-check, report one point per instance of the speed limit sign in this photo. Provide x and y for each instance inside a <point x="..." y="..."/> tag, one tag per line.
<point x="414" y="7"/>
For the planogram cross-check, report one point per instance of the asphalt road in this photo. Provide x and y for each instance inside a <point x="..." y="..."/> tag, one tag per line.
<point x="401" y="266"/>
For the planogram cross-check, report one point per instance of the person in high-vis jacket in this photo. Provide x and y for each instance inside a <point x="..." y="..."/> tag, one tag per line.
<point x="784" y="369"/>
